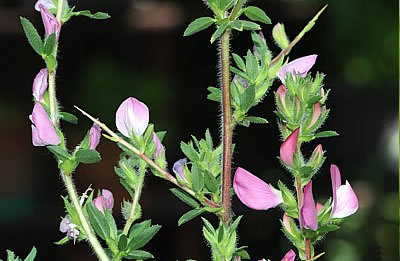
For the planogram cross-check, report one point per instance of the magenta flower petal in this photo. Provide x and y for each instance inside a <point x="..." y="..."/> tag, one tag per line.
<point x="108" y="198"/>
<point x="50" y="23"/>
<point x="290" y="256"/>
<point x="132" y="117"/>
<point x="288" y="147"/>
<point x="159" y="146"/>
<point x="255" y="193"/>
<point x="301" y="65"/>
<point x="43" y="131"/>
<point x="345" y="202"/>
<point x="316" y="113"/>
<point x="308" y="211"/>
<point x="95" y="135"/>
<point x="178" y="168"/>
<point x="281" y="93"/>
<point x="99" y="203"/>
<point x="46" y="3"/>
<point x="40" y="85"/>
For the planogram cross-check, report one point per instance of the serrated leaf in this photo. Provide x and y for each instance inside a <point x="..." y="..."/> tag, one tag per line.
<point x="239" y="61"/>
<point x="197" y="178"/>
<point x="62" y="241"/>
<point x="138" y="228"/>
<point x="87" y="156"/>
<point x="189" y="151"/>
<point x="185" y="197"/>
<point x="247" y="98"/>
<point x="49" y="44"/>
<point x="198" y="25"/>
<point x="139" y="255"/>
<point x="87" y="13"/>
<point x="257" y="120"/>
<point x="190" y="215"/>
<point x="143" y="238"/>
<point x="31" y="256"/>
<point x="326" y="134"/>
<point x="69" y="117"/>
<point x="256" y="14"/>
<point x="210" y="182"/>
<point x="247" y="25"/>
<point x="251" y="65"/>
<point x="98" y="221"/>
<point x="221" y="29"/>
<point x="32" y="35"/>
<point x="60" y="153"/>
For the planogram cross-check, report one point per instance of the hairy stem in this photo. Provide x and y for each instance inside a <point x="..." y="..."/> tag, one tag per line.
<point x="308" y="249"/>
<point x="141" y="155"/>
<point x="98" y="249"/>
<point x="227" y="126"/>
<point x="138" y="192"/>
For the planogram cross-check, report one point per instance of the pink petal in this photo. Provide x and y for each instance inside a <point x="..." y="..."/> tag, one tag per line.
<point x="346" y="202"/>
<point x="281" y="92"/>
<point x="301" y="65"/>
<point x="319" y="206"/>
<point x="286" y="223"/>
<point x="44" y="129"/>
<point x="99" y="203"/>
<point x="336" y="182"/>
<point x="50" y="23"/>
<point x="288" y="147"/>
<point x="47" y="3"/>
<point x="159" y="146"/>
<point x="255" y="193"/>
<point x="290" y="256"/>
<point x="95" y="136"/>
<point x="132" y="117"/>
<point x="108" y="198"/>
<point x="40" y="85"/>
<point x="178" y="168"/>
<point x="308" y="212"/>
<point x="316" y="113"/>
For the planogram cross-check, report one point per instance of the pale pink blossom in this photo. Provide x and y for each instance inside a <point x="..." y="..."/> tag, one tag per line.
<point x="40" y="85"/>
<point x="132" y="117"/>
<point x="43" y="131"/>
<point x="299" y="66"/>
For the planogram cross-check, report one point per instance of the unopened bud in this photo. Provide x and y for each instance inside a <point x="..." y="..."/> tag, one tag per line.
<point x="316" y="157"/>
<point x="280" y="37"/>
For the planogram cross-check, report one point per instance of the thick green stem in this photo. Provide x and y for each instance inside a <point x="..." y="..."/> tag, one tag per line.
<point x="227" y="126"/>
<point x="138" y="192"/>
<point x="73" y="196"/>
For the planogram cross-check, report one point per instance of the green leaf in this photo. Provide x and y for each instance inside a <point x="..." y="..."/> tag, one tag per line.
<point x="190" y="215"/>
<point x="226" y="4"/>
<point x="247" y="25"/>
<point x="257" y="120"/>
<point x="139" y="255"/>
<point x="11" y="256"/>
<point x="251" y="65"/>
<point x="31" y="256"/>
<point x="247" y="98"/>
<point x="239" y="61"/>
<point x="68" y="117"/>
<point x="139" y="228"/>
<point x="215" y="95"/>
<point x="326" y="134"/>
<point x="208" y="225"/>
<point x="185" y="197"/>
<point x="189" y="151"/>
<point x="161" y="135"/>
<point x="197" y="178"/>
<point x="242" y="254"/>
<point x="62" y="241"/>
<point x="221" y="233"/>
<point x="49" y="44"/>
<point x="235" y="224"/>
<point x="198" y="25"/>
<point x="143" y="238"/>
<point x="87" y="156"/>
<point x="221" y="29"/>
<point x="122" y="242"/>
<point x="32" y="35"/>
<point x="256" y="14"/>
<point x="209" y="139"/>
<point x="327" y="228"/>
<point x="237" y="25"/>
<point x="60" y="153"/>
<point x="87" y="13"/>
<point x="98" y="221"/>
<point x="148" y="135"/>
<point x="211" y="182"/>
<point x="51" y="62"/>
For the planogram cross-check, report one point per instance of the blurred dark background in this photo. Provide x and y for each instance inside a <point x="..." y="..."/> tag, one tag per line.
<point x="140" y="52"/>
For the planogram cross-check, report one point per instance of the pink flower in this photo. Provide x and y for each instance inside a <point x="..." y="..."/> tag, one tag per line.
<point x="255" y="193"/>
<point x="46" y="3"/>
<point x="50" y="23"/>
<point x="290" y="256"/>
<point x="316" y="156"/>
<point x="308" y="211"/>
<point x="66" y="226"/>
<point x="298" y="66"/>
<point x="105" y="201"/>
<point x="40" y="85"/>
<point x="288" y="147"/>
<point x="159" y="146"/>
<point x="95" y="135"/>
<point x="281" y="94"/>
<point x="43" y="131"/>
<point x="316" y="113"/>
<point x="319" y="206"/>
<point x="132" y="117"/>
<point x="179" y="167"/>
<point x="286" y="223"/>
<point x="345" y="202"/>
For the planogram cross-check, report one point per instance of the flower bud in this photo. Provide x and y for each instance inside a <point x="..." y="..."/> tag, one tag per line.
<point x="255" y="193"/>
<point x="46" y="3"/>
<point x="308" y="211"/>
<point x="43" y="131"/>
<point x="95" y="135"/>
<point x="178" y="169"/>
<point x="290" y="256"/>
<point x="316" y="156"/>
<point x="286" y="223"/>
<point x="316" y="113"/>
<point x="50" y="23"/>
<point x="281" y="95"/>
<point x="40" y="85"/>
<point x="132" y="117"/>
<point x="159" y="146"/>
<point x="288" y="147"/>
<point x="299" y="66"/>
<point x="105" y="201"/>
<point x="279" y="35"/>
